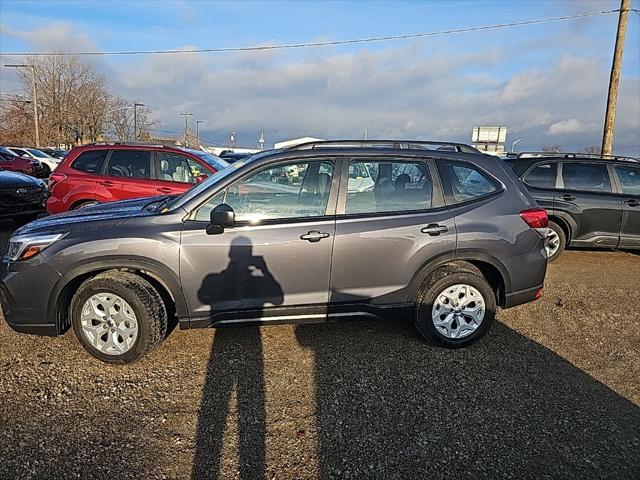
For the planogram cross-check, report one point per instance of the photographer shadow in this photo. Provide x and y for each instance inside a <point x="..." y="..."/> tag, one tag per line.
<point x="235" y="362"/>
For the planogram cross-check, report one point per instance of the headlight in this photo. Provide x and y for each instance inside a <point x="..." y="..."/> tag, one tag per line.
<point x="23" y="247"/>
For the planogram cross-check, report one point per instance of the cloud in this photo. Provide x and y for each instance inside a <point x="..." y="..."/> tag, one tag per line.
<point x="415" y="90"/>
<point x="57" y="36"/>
<point x="565" y="126"/>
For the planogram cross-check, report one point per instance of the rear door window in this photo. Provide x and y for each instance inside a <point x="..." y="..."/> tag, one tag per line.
<point x="90" y="162"/>
<point x="542" y="176"/>
<point x="587" y="177"/>
<point x="129" y="163"/>
<point x="464" y="182"/>
<point x="629" y="178"/>
<point x="388" y="186"/>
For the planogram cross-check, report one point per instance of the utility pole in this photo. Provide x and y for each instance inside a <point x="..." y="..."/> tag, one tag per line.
<point x="261" y="140"/>
<point x="135" y="120"/>
<point x="614" y="80"/>
<point x="35" y="98"/>
<point x="366" y="131"/>
<point x="186" y="126"/>
<point x="198" y="122"/>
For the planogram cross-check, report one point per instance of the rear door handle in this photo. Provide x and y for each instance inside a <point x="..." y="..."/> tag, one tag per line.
<point x="434" y="229"/>
<point x="314" y="236"/>
<point x="165" y="190"/>
<point x="632" y="203"/>
<point x="567" y="197"/>
<point x="106" y="183"/>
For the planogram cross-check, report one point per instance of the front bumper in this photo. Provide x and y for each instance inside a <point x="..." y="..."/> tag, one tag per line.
<point x="25" y="289"/>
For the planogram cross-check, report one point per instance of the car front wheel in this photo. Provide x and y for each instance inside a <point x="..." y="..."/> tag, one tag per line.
<point x="118" y="316"/>
<point x="454" y="307"/>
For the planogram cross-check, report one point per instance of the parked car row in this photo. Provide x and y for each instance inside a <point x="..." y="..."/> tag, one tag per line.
<point x="32" y="161"/>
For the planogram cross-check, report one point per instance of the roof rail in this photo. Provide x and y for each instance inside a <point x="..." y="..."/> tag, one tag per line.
<point x="401" y="144"/>
<point x="133" y="144"/>
<point x="575" y="155"/>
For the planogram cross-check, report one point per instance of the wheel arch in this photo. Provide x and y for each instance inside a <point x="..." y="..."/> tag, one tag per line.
<point x="565" y="222"/>
<point x="164" y="281"/>
<point x="490" y="267"/>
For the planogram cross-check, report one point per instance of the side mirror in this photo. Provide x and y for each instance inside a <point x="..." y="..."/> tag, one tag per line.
<point x="221" y="217"/>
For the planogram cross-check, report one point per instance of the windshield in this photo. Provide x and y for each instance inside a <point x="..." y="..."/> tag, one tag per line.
<point x="37" y="153"/>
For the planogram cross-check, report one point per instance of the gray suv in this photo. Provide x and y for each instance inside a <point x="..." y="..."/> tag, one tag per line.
<point x="316" y="233"/>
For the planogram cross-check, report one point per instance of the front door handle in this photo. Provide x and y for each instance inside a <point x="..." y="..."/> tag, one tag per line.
<point x="567" y="197"/>
<point x="434" y="229"/>
<point x="633" y="202"/>
<point x="106" y="183"/>
<point x="314" y="236"/>
<point x="165" y="190"/>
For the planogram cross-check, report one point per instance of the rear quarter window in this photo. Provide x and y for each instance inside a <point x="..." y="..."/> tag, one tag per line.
<point x="464" y="182"/>
<point x="90" y="162"/>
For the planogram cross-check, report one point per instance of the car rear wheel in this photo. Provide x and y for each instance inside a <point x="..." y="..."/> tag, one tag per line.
<point x="118" y="317"/>
<point x="454" y="307"/>
<point x="46" y="171"/>
<point x="83" y="204"/>
<point x="556" y="241"/>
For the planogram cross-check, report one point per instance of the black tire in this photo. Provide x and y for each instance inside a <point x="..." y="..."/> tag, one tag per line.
<point x="437" y="283"/>
<point x="562" y="239"/>
<point x="145" y="301"/>
<point x="46" y="170"/>
<point x="84" y="203"/>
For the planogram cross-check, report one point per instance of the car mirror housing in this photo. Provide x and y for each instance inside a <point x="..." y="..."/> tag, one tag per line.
<point x="221" y="217"/>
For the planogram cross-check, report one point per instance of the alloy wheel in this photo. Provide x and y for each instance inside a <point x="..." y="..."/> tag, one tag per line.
<point x="458" y="311"/>
<point x="553" y="242"/>
<point x="109" y="323"/>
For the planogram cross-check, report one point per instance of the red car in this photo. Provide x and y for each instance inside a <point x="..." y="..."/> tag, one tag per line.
<point x="107" y="172"/>
<point x="12" y="162"/>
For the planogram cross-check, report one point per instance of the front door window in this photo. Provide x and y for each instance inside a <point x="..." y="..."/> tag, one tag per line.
<point x="285" y="191"/>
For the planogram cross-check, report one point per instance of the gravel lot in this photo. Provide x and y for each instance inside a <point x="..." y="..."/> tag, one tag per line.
<point x="552" y="392"/>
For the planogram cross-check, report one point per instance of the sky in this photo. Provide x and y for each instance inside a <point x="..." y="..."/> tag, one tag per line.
<point x="547" y="83"/>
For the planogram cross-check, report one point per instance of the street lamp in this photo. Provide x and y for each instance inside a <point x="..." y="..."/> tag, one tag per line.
<point x="35" y="97"/>
<point x="135" y="119"/>
<point x="514" y="143"/>
<point x="198" y="122"/>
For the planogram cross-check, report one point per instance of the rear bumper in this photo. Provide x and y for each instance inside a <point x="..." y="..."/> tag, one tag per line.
<point x="24" y="295"/>
<point x="527" y="274"/>
<point x="524" y="296"/>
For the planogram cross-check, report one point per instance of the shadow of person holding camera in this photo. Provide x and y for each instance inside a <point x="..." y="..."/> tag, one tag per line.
<point x="236" y="361"/>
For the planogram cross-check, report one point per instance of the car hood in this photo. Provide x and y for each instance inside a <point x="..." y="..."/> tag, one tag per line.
<point x="8" y="178"/>
<point x="105" y="215"/>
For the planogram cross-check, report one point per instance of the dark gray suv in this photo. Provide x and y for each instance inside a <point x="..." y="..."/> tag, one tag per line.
<point x="316" y="233"/>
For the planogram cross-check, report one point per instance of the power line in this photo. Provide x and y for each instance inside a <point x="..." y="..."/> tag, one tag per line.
<point x="316" y="44"/>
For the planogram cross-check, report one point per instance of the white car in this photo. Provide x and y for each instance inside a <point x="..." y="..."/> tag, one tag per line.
<point x="49" y="163"/>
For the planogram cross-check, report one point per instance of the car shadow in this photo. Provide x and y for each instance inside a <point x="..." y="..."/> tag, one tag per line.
<point x="235" y="363"/>
<point x="390" y="406"/>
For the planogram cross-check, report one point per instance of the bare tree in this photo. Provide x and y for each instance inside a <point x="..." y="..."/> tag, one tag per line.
<point x="551" y="148"/>
<point x="592" y="150"/>
<point x="121" y="118"/>
<point x="74" y="106"/>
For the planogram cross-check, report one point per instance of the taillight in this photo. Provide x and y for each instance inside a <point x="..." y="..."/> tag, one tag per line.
<point x="535" y="217"/>
<point x="55" y="178"/>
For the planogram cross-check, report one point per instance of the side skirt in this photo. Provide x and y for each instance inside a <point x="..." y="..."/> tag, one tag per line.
<point x="301" y="315"/>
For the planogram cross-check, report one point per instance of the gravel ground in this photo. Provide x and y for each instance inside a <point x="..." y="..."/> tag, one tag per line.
<point x="551" y="392"/>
